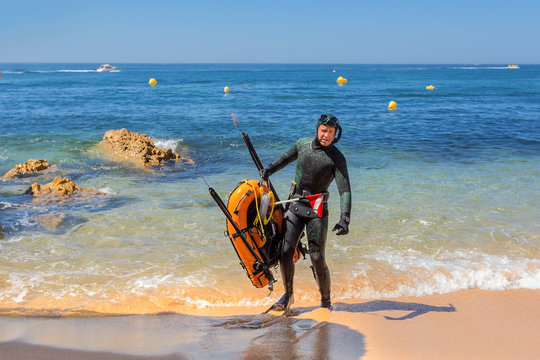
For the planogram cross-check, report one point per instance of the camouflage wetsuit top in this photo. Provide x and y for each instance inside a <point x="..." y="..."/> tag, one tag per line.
<point x="316" y="168"/>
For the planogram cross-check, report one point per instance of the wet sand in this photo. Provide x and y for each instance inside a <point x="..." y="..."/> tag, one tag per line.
<point x="472" y="324"/>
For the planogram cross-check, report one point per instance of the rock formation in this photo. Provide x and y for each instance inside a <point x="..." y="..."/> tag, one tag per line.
<point x="138" y="148"/>
<point x="28" y="168"/>
<point x="60" y="187"/>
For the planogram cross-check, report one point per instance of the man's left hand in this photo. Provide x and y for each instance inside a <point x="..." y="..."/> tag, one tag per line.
<point x="342" y="226"/>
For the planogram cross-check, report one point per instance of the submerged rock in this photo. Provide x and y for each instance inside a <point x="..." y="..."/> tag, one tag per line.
<point x="135" y="147"/>
<point x="28" y="168"/>
<point x="60" y="187"/>
<point x="50" y="221"/>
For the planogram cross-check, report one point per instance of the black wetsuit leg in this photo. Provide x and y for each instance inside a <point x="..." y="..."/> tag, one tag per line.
<point x="317" y="233"/>
<point x="293" y="230"/>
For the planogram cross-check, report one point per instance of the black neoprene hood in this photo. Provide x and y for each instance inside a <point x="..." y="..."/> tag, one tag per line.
<point x="330" y="120"/>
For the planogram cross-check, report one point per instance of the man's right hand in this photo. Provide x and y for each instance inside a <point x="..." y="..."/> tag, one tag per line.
<point x="265" y="174"/>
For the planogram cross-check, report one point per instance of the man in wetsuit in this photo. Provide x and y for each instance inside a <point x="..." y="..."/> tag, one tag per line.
<point x="318" y="163"/>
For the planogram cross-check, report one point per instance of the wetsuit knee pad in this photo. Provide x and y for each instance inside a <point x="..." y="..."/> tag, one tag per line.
<point x="287" y="251"/>
<point x="317" y="259"/>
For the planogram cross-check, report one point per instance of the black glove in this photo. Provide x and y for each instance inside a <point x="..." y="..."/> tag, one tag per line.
<point x="342" y="226"/>
<point x="265" y="174"/>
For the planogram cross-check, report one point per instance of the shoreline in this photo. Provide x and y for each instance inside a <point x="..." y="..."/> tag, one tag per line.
<point x="468" y="324"/>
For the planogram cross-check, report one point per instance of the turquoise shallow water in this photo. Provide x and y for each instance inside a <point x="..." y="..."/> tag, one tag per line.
<point x="446" y="191"/>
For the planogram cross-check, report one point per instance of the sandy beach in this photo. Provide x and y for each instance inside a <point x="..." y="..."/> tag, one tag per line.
<point x="471" y="324"/>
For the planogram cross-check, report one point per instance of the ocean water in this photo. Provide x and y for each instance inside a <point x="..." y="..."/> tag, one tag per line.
<point x="446" y="189"/>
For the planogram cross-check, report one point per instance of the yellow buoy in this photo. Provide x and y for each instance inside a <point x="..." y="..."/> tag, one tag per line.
<point x="333" y="70"/>
<point x="341" y="80"/>
<point x="226" y="89"/>
<point x="430" y="87"/>
<point x="152" y="82"/>
<point x="392" y="105"/>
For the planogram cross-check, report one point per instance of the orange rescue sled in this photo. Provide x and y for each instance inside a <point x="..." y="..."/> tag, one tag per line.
<point x="257" y="241"/>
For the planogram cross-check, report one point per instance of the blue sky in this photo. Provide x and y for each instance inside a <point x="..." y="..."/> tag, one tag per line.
<point x="473" y="32"/>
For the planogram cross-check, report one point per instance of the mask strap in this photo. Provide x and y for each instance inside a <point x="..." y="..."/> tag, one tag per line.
<point x="338" y="135"/>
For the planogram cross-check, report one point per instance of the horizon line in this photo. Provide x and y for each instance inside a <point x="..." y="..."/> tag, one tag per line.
<point x="258" y="63"/>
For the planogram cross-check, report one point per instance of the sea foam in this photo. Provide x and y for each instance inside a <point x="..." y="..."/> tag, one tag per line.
<point x="167" y="143"/>
<point x="415" y="274"/>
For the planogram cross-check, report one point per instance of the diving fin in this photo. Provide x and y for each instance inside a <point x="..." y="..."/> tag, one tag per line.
<point x="283" y="304"/>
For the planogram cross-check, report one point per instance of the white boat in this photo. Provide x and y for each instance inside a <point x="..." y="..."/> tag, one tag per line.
<point x="106" y="67"/>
